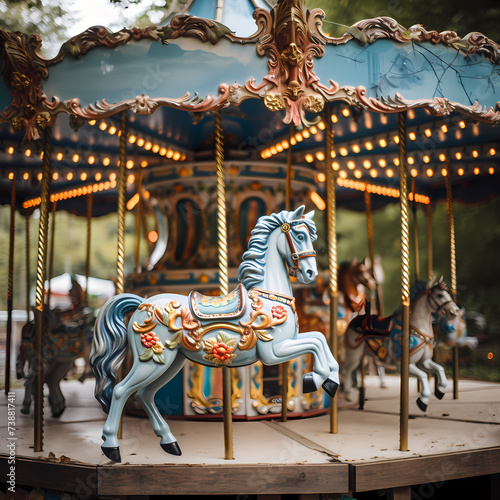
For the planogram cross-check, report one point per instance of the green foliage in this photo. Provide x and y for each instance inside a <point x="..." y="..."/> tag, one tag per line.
<point x="461" y="16"/>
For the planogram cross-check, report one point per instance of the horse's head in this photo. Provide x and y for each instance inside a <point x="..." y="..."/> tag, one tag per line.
<point x="441" y="302"/>
<point x="295" y="245"/>
<point x="360" y="273"/>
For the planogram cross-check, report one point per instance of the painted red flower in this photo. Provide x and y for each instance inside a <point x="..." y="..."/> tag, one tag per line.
<point x="278" y="312"/>
<point x="222" y="351"/>
<point x="149" y="339"/>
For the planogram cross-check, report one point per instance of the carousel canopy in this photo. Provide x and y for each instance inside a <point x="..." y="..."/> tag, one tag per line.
<point x="265" y="70"/>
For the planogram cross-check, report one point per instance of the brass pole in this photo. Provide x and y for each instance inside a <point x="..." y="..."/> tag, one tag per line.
<point x="286" y="365"/>
<point x="223" y="278"/>
<point x="51" y="250"/>
<point x="28" y="273"/>
<point x="405" y="286"/>
<point x="10" y="282"/>
<point x="332" y="255"/>
<point x="430" y="264"/>
<point x="90" y="201"/>
<point x="138" y="219"/>
<point x="43" y="229"/>
<point x="416" y="253"/>
<point x="122" y="186"/>
<point x="453" y="266"/>
<point x="120" y="255"/>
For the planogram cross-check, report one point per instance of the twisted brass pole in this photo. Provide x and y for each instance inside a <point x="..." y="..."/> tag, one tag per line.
<point x="453" y="267"/>
<point x="223" y="278"/>
<point x="51" y="250"/>
<point x="138" y="220"/>
<point x="122" y="186"/>
<point x="10" y="282"/>
<point x="430" y="263"/>
<point x="120" y="255"/>
<point x="90" y="201"/>
<point x="405" y="286"/>
<point x="286" y="365"/>
<point x="28" y="272"/>
<point x="43" y="229"/>
<point x="332" y="255"/>
<point x="416" y="251"/>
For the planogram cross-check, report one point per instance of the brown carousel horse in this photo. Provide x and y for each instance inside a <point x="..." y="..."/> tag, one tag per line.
<point x="65" y="333"/>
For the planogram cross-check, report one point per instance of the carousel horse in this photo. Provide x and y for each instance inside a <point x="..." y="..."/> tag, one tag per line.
<point x="454" y="332"/>
<point x="64" y="332"/>
<point x="451" y="332"/>
<point x="427" y="299"/>
<point x="256" y="321"/>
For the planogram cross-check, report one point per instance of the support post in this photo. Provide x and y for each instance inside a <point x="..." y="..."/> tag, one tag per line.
<point x="223" y="278"/>
<point x="332" y="255"/>
<point x="416" y="252"/>
<point x="430" y="263"/>
<point x="28" y="272"/>
<point x="405" y="286"/>
<point x="43" y="229"/>
<point x="90" y="201"/>
<point x="120" y="255"/>
<point x="453" y="266"/>
<point x="51" y="250"/>
<point x="138" y="220"/>
<point x="10" y="282"/>
<point x="286" y="365"/>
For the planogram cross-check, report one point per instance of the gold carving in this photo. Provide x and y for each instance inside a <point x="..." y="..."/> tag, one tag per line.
<point x="314" y="103"/>
<point x="292" y="54"/>
<point x="274" y="102"/>
<point x="20" y="81"/>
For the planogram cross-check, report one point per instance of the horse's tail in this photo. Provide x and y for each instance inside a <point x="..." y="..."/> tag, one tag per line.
<point x="110" y="343"/>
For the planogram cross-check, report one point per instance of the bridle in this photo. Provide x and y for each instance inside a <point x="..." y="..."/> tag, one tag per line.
<point x="295" y="256"/>
<point x="434" y="303"/>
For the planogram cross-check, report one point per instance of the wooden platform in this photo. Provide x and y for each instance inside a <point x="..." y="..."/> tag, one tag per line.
<point x="454" y="439"/>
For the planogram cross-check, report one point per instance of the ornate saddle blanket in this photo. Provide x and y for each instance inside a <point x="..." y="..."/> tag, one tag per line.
<point x="221" y="307"/>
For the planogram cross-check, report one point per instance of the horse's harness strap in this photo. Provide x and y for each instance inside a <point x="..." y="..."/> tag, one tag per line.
<point x="295" y="256"/>
<point x="277" y="297"/>
<point x="424" y="339"/>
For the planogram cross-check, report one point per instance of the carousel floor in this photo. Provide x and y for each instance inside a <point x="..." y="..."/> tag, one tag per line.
<point x="454" y="439"/>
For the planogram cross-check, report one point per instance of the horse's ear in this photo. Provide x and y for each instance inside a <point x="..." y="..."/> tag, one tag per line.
<point x="310" y="215"/>
<point x="298" y="213"/>
<point x="431" y="282"/>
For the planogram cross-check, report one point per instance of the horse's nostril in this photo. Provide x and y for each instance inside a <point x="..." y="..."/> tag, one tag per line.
<point x="310" y="273"/>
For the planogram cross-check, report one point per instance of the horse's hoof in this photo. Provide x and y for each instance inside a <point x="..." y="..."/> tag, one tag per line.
<point x="421" y="405"/>
<point x="330" y="387"/>
<point x="172" y="448"/>
<point x="308" y="384"/>
<point x="58" y="413"/>
<point x="25" y="411"/>
<point x="439" y="394"/>
<point x="113" y="453"/>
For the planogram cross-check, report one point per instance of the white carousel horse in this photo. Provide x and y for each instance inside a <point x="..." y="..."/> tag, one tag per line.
<point x="426" y="299"/>
<point x="257" y="321"/>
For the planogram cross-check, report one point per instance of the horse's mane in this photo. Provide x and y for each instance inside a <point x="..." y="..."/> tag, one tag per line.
<point x="416" y="289"/>
<point x="252" y="269"/>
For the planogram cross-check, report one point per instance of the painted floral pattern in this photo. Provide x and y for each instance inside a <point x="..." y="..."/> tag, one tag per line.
<point x="220" y="350"/>
<point x="278" y="312"/>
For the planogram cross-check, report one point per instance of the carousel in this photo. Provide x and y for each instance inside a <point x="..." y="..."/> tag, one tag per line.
<point x="232" y="133"/>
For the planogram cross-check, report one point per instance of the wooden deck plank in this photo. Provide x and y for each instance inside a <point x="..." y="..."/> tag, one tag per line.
<point x="223" y="480"/>
<point x="420" y="470"/>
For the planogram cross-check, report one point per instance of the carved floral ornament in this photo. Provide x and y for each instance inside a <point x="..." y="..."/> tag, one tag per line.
<point x="290" y="36"/>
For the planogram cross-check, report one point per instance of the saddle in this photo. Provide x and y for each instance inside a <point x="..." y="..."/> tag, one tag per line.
<point x="370" y="325"/>
<point x="228" y="307"/>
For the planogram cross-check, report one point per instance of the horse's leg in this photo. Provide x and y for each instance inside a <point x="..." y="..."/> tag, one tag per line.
<point x="332" y="382"/>
<point x="145" y="397"/>
<point x="141" y="374"/>
<point x="423" y="400"/>
<point x="352" y="359"/>
<point x="438" y="371"/>
<point x="381" y="374"/>
<point x="292" y="348"/>
<point x="53" y="378"/>
<point x="28" y="394"/>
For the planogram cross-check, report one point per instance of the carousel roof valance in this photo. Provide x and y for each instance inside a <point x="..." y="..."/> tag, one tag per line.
<point x="285" y="72"/>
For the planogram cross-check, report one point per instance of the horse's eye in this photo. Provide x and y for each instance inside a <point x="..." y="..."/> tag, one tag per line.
<point x="300" y="237"/>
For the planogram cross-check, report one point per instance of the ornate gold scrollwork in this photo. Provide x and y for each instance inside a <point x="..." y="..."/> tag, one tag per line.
<point x="274" y="102"/>
<point x="292" y="54"/>
<point x="314" y="103"/>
